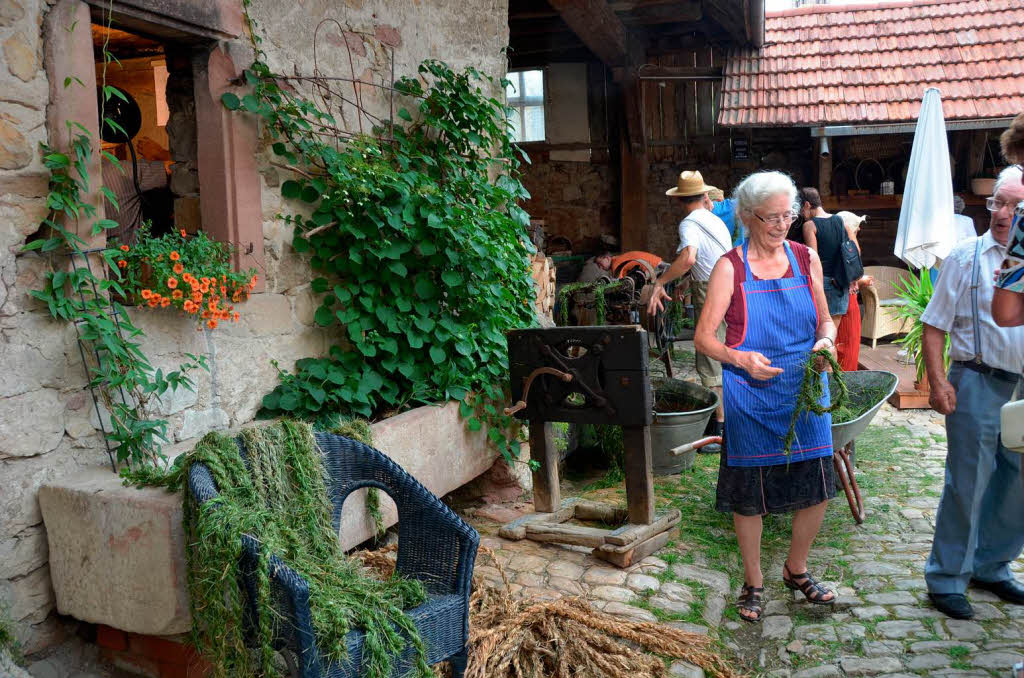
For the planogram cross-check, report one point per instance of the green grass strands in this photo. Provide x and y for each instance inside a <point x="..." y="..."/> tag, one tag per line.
<point x="281" y="500"/>
<point x="812" y="388"/>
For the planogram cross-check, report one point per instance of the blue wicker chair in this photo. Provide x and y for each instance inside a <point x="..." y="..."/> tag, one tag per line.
<point x="434" y="545"/>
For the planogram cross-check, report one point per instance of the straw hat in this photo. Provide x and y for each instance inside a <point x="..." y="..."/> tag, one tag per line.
<point x="690" y="183"/>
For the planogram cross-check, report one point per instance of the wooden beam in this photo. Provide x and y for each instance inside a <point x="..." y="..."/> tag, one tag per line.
<point x="675" y="13"/>
<point x="634" y="162"/>
<point x="680" y="72"/>
<point x="598" y="27"/>
<point x="546" y="491"/>
<point x="530" y="9"/>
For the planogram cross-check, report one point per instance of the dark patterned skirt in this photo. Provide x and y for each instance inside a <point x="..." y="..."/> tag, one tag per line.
<point x="757" y="490"/>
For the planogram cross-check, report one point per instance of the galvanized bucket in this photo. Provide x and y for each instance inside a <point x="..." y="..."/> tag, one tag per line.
<point x="671" y="429"/>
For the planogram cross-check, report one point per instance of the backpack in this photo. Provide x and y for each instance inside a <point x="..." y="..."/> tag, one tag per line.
<point x="848" y="267"/>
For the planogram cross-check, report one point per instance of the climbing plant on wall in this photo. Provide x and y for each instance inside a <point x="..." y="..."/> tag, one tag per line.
<point x="418" y="246"/>
<point x="78" y="291"/>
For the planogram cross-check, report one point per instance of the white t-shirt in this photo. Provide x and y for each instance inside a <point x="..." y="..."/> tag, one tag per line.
<point x="707" y="234"/>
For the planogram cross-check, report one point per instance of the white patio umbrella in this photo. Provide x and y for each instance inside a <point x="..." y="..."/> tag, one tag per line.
<point x="926" y="232"/>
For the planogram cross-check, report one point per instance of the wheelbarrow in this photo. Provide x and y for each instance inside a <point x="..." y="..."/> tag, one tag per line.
<point x="860" y="385"/>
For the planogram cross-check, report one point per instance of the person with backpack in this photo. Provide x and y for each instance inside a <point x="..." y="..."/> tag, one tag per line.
<point x="840" y="257"/>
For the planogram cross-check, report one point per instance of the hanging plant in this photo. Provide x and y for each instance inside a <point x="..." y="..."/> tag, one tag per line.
<point x="188" y="273"/>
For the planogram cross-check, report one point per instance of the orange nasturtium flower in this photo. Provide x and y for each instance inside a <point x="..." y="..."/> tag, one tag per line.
<point x="124" y="248"/>
<point x="189" y="306"/>
<point x="183" y="233"/>
<point x="252" y="283"/>
<point x="153" y="301"/>
<point x="175" y="256"/>
<point x="165" y="302"/>
<point x="122" y="264"/>
<point x="211" y="323"/>
<point x="179" y="269"/>
<point x="172" y="283"/>
<point x="197" y="297"/>
<point x="177" y="294"/>
<point x="146" y="294"/>
<point x="236" y="316"/>
<point x="204" y="288"/>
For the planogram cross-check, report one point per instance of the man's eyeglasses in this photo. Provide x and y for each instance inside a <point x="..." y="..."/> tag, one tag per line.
<point x="994" y="205"/>
<point x="781" y="219"/>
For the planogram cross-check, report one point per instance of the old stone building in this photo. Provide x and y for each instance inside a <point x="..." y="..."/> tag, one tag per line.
<point x="222" y="180"/>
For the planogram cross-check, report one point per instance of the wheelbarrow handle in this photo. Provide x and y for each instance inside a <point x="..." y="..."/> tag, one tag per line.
<point x="695" y="445"/>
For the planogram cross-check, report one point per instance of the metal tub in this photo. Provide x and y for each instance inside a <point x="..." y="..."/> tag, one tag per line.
<point x="671" y="429"/>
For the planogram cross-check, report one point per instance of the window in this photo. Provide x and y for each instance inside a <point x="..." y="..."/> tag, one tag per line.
<point x="526" y="98"/>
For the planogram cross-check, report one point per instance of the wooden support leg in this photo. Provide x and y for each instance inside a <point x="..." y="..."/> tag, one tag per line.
<point x="845" y="473"/>
<point x="546" y="493"/>
<point x="636" y="443"/>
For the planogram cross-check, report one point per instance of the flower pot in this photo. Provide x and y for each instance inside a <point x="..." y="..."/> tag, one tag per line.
<point x="922" y="385"/>
<point x="983" y="186"/>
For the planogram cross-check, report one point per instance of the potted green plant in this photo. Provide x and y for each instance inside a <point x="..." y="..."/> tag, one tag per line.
<point x="916" y="292"/>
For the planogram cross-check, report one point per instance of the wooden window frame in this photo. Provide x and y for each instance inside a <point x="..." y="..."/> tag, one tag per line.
<point x="520" y="102"/>
<point x="230" y="195"/>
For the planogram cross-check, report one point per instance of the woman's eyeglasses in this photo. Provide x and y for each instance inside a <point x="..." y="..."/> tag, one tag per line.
<point x="781" y="219"/>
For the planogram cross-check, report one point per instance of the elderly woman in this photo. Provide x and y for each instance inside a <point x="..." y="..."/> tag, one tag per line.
<point x="769" y="292"/>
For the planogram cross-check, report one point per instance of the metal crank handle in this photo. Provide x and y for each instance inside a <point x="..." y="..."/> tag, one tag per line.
<point x="695" y="445"/>
<point x="521" y="405"/>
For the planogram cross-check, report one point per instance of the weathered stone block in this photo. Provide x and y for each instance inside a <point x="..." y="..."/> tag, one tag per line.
<point x="22" y="60"/>
<point x="100" y="531"/>
<point x="199" y="422"/>
<point x="31" y="423"/>
<point x="24" y="552"/>
<point x="15" y="150"/>
<point x="10" y="11"/>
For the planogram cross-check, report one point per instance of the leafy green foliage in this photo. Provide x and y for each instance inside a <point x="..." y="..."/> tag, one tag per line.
<point x="280" y="499"/>
<point x="598" y="288"/>
<point x="916" y="292"/>
<point x="422" y="260"/>
<point x="119" y="371"/>
<point x="123" y="377"/>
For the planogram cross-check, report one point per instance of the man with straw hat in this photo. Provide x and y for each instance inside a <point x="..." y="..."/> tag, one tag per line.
<point x="703" y="238"/>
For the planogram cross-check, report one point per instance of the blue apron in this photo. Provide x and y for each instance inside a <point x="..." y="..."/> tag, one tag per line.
<point x="781" y="322"/>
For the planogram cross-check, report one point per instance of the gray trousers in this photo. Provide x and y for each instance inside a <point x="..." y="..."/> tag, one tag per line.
<point x="979" y="527"/>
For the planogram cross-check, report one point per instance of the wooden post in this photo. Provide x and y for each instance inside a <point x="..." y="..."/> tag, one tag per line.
<point x="636" y="443"/>
<point x="546" y="493"/>
<point x="634" y="166"/>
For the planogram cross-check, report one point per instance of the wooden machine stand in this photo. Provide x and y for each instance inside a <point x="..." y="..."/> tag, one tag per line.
<point x="588" y="375"/>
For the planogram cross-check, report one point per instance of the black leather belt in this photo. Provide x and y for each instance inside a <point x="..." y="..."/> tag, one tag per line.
<point x="982" y="368"/>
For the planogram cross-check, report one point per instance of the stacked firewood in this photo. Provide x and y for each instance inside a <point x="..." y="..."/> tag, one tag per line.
<point x="544" y="277"/>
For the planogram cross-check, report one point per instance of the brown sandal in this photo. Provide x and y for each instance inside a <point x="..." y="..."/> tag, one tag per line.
<point x="813" y="591"/>
<point x="750" y="600"/>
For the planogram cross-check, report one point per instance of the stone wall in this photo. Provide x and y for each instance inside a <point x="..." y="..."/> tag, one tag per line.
<point x="576" y="200"/>
<point x="47" y="424"/>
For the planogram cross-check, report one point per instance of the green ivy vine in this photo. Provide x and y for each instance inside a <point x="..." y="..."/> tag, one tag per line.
<point x="422" y="260"/>
<point x="119" y="372"/>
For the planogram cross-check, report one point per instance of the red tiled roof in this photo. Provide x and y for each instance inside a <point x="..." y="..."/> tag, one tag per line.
<point x="839" y="64"/>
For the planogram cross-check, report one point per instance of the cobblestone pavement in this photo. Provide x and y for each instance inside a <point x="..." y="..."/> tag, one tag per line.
<point x="882" y="623"/>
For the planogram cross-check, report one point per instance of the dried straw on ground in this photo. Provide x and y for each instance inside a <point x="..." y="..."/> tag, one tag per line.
<point x="522" y="638"/>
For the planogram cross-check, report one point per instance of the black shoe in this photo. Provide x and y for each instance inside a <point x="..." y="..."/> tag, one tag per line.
<point x="717" y="429"/>
<point x="1009" y="590"/>
<point x="953" y="605"/>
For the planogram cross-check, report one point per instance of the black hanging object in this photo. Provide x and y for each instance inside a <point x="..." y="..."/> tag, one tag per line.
<point x="126" y="114"/>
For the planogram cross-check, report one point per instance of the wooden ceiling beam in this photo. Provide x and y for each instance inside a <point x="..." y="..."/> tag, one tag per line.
<point x="598" y="27"/>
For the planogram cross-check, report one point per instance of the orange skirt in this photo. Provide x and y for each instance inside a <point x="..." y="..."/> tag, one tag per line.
<point x="848" y="337"/>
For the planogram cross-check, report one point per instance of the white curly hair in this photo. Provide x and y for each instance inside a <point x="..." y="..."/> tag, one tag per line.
<point x="758" y="187"/>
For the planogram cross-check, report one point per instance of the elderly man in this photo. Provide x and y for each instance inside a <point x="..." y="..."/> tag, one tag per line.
<point x="703" y="238"/>
<point x="979" y="527"/>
